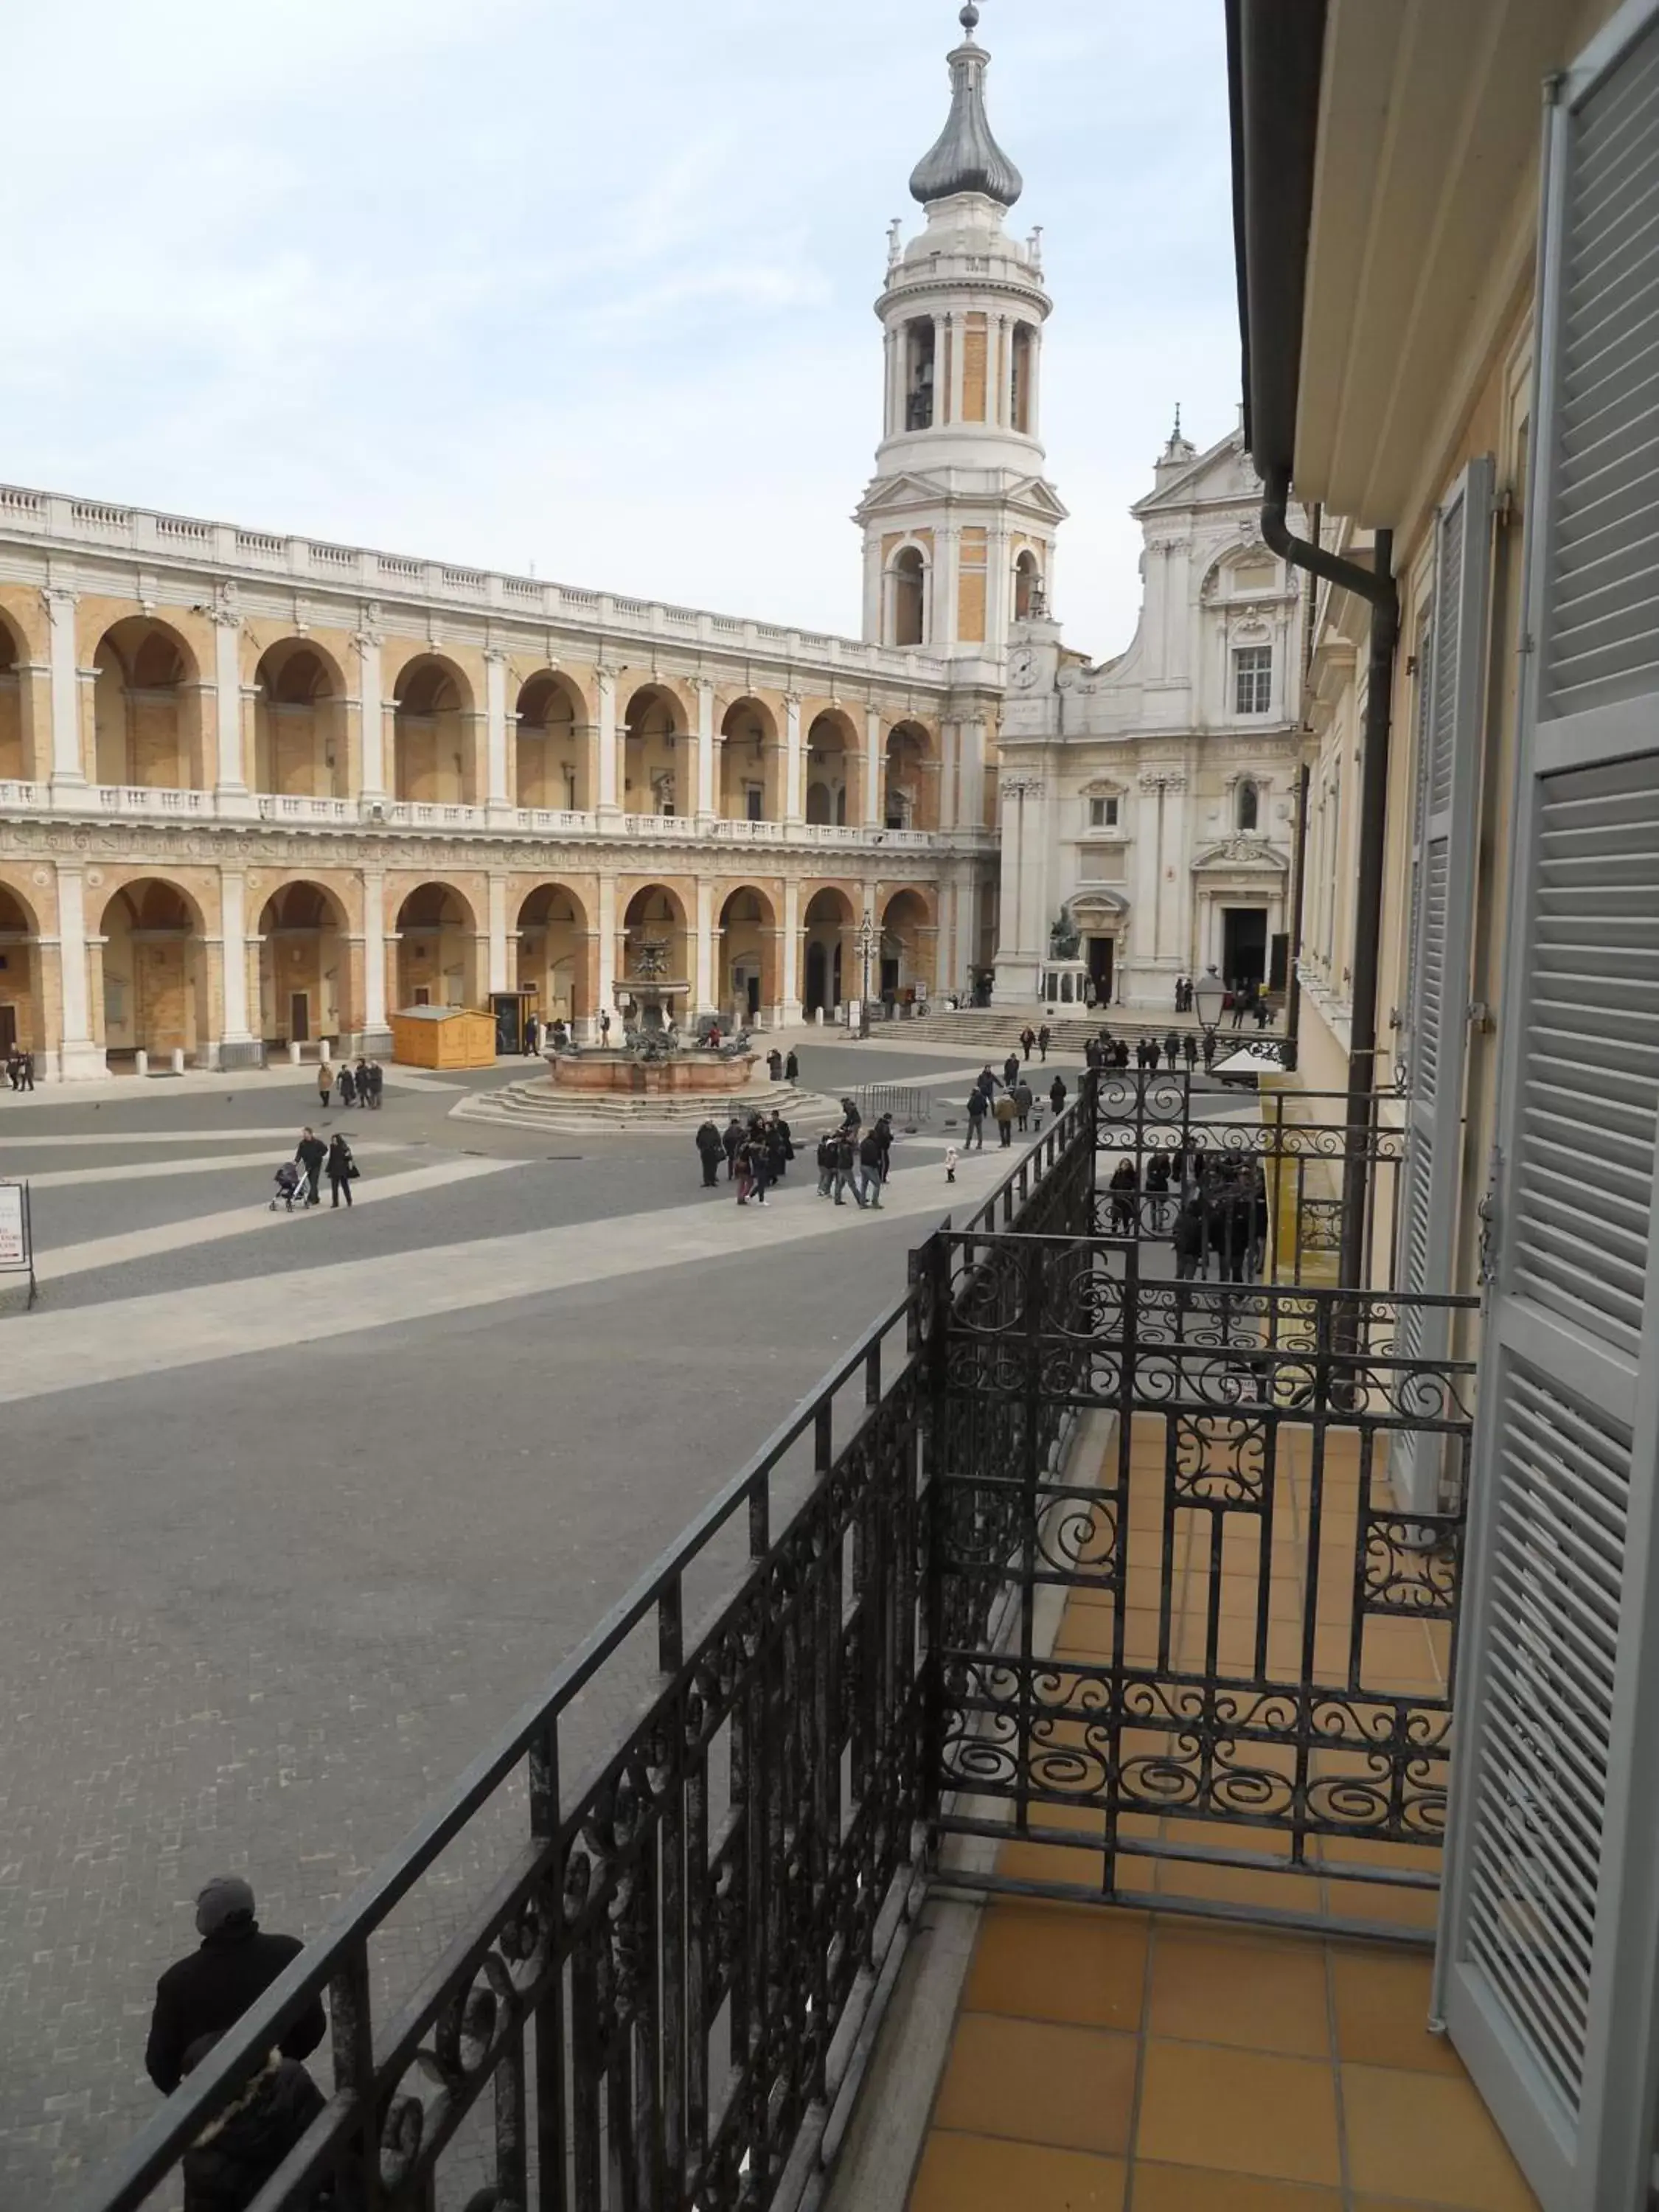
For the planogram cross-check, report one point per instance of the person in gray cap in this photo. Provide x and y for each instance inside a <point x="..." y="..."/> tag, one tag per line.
<point x="209" y="1991"/>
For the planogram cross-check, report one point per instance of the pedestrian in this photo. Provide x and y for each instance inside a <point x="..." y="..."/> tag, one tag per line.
<point x="826" y="1157"/>
<point x="775" y="1065"/>
<point x="532" y="1035"/>
<point x="870" y="1168"/>
<point x="884" y="1132"/>
<point x="987" y="1083"/>
<point x="1264" y="1012"/>
<point x="1124" y="1186"/>
<point x="760" y="1145"/>
<point x="15" y="1067"/>
<point x="978" y="1106"/>
<point x="785" y="1139"/>
<point x="1024" y="1103"/>
<point x="1209" y="1050"/>
<point x="308" y="1157"/>
<point x="1171" y="1049"/>
<point x="846" y="1175"/>
<point x="604" y="1030"/>
<point x="342" y="1168"/>
<point x="325" y="1082"/>
<point x="792" y="1067"/>
<point x="347" y="1087"/>
<point x="1010" y="1071"/>
<point x="950" y="1164"/>
<point x="1151" y="1055"/>
<point x="1158" y="1191"/>
<point x="232" y="1967"/>
<point x="1027" y="1039"/>
<point x="747" y="1167"/>
<point x="246" y="2140"/>
<point x="376" y="1084"/>
<point x="852" y="1119"/>
<point x="1240" y="1002"/>
<point x="1189" y="1051"/>
<point x="28" y="1071"/>
<point x="1230" y="1234"/>
<point x="709" y="1148"/>
<point x="1004" y="1109"/>
<point x="1057" y="1097"/>
<point x="1043" y="1036"/>
<point x="1187" y="1239"/>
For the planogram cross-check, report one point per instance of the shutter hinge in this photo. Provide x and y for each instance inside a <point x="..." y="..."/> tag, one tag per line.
<point x="1487" y="1211"/>
<point x="1553" y="84"/>
<point x="1503" y="505"/>
<point x="1480" y="1018"/>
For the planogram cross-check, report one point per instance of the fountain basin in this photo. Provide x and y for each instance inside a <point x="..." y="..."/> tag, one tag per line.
<point x="687" y="1072"/>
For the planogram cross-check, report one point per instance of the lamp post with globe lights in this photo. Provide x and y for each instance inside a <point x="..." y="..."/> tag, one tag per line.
<point x="866" y="941"/>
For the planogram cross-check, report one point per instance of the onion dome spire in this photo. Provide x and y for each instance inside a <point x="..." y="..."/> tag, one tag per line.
<point x="967" y="158"/>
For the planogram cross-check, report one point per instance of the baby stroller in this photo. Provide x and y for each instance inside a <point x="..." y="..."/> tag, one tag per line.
<point x="289" y="1186"/>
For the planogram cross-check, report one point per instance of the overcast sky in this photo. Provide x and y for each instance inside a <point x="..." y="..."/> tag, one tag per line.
<point x="585" y="285"/>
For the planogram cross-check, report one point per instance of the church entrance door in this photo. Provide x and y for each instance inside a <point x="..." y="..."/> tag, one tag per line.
<point x="1244" y="944"/>
<point x="1099" y="952"/>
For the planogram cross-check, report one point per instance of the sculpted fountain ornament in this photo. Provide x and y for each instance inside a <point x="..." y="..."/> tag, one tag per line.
<point x="654" y="1059"/>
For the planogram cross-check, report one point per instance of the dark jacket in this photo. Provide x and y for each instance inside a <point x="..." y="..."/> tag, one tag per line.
<point x="237" y="2153"/>
<point x="209" y="1991"/>
<point x="340" y="1162"/>
<point x="976" y="1103"/>
<point x="1057" y="1095"/>
<point x="871" y="1150"/>
<point x="731" y="1137"/>
<point x="1188" y="1236"/>
<point x="709" y="1140"/>
<point x="311" y="1156"/>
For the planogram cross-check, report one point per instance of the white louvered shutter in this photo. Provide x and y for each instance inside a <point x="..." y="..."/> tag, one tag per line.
<point x="1549" y="1949"/>
<point x="1445" y="823"/>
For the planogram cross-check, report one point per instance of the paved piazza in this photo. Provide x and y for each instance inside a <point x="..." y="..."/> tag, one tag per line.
<point x="299" y="1511"/>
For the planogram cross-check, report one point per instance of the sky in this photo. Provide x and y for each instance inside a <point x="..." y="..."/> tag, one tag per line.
<point x="585" y="286"/>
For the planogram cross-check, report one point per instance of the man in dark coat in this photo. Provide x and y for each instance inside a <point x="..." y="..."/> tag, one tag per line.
<point x="710" y="1151"/>
<point x="871" y="1159"/>
<point x="209" y="1991"/>
<point x="729" y="1144"/>
<point x="241" y="2147"/>
<point x="1010" y="1071"/>
<point x="977" y="1105"/>
<point x="1057" y="1097"/>
<point x="309" y="1155"/>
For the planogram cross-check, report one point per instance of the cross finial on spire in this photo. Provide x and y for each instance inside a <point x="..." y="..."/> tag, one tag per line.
<point x="1175" y="433"/>
<point x="969" y="19"/>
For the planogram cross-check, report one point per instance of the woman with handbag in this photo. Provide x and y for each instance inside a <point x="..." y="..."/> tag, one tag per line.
<point x="342" y="1168"/>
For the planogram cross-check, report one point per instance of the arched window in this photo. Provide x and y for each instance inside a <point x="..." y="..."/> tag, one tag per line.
<point x="1250" y="804"/>
<point x="919" y="375"/>
<point x="909" y="593"/>
<point x="1028" y="587"/>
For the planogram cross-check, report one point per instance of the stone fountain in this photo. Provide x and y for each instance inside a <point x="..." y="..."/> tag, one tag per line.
<point x="655" y="1058"/>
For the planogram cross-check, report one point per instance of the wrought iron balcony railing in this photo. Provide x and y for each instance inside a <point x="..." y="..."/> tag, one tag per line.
<point x="666" y="1992"/>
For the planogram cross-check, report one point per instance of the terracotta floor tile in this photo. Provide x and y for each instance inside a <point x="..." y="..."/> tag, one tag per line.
<point x="1084" y="1966"/>
<point x="1383" y="2009"/>
<point x="1071" y="2088"/>
<point x="1383" y="1907"/>
<point x="978" y="2173"/>
<point x="1427" y="2139"/>
<point x="1239" y="2112"/>
<point x="1186" y="2189"/>
<point x="1026" y="1862"/>
<point x="1260" y="1994"/>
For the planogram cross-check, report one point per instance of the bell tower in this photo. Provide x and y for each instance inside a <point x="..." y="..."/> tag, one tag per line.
<point x="959" y="520"/>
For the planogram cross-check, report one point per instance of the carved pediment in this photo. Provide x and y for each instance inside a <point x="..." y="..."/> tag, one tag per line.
<point x="1249" y="853"/>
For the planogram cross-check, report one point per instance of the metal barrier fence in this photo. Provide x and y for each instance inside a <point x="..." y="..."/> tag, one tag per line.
<point x="668" y="1993"/>
<point x="908" y="1105"/>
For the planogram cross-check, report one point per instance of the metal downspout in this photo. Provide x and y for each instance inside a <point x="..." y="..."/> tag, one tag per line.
<point x="1374" y="585"/>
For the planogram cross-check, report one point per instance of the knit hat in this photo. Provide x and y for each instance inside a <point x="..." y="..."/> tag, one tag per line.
<point x="225" y="1898"/>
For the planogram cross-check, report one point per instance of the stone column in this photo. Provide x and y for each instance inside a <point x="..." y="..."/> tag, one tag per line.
<point x="606" y="991"/>
<point x="873" y="764"/>
<point x="375" y="941"/>
<point x="79" y="1058"/>
<point x="947" y="585"/>
<point x="496" y="940"/>
<point x="68" y="769"/>
<point x="606" y="803"/>
<point x="498" y="794"/>
<point x="233" y="926"/>
<point x="707" y="808"/>
<point x="789" y="983"/>
<point x="252" y="947"/>
<point x="371" y="711"/>
<point x="970" y="775"/>
<point x="1023" y="943"/>
<point x="794" y="805"/>
<point x="704" y="980"/>
<point x="958" y="326"/>
<point x="230" y="789"/>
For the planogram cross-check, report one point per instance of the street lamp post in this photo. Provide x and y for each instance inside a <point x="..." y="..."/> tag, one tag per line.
<point x="866" y="948"/>
<point x="1209" y="999"/>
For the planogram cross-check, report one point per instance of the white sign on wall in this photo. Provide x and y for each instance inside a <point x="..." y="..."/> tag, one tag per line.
<point x="14" y="1240"/>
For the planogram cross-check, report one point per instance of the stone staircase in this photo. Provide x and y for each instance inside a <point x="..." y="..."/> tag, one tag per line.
<point x="994" y="1031"/>
<point x="536" y="1105"/>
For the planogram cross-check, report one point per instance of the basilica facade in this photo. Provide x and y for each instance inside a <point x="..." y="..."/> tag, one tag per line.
<point x="258" y="790"/>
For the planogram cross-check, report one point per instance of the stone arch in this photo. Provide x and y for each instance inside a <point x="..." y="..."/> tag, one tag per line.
<point x="556" y="953"/>
<point x="435" y="734"/>
<point x="830" y="767"/>
<point x="909" y="936"/>
<point x="1028" y="586"/>
<point x="155" y="967"/>
<point x="551" y="768"/>
<point x="301" y="740"/>
<point x="146" y="707"/>
<point x="306" y="983"/>
<point x="746" y="983"/>
<point x="15" y="762"/>
<point x="910" y="793"/>
<point x="22" y="993"/>
<point x="751" y="763"/>
<point x="437" y="930"/>
<point x="906" y="593"/>
<point x="828" y="925"/>
<point x="655" y="947"/>
<point x="659" y="753"/>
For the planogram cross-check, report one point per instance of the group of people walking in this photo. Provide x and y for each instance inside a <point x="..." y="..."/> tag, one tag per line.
<point x="302" y="1177"/>
<point x="1107" y="1051"/>
<point x="852" y="1158"/>
<point x="756" y="1153"/>
<point x="1008" y="1100"/>
<point x="358" y="1086"/>
<point x="19" y="1069"/>
<point x="1219" y="1209"/>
